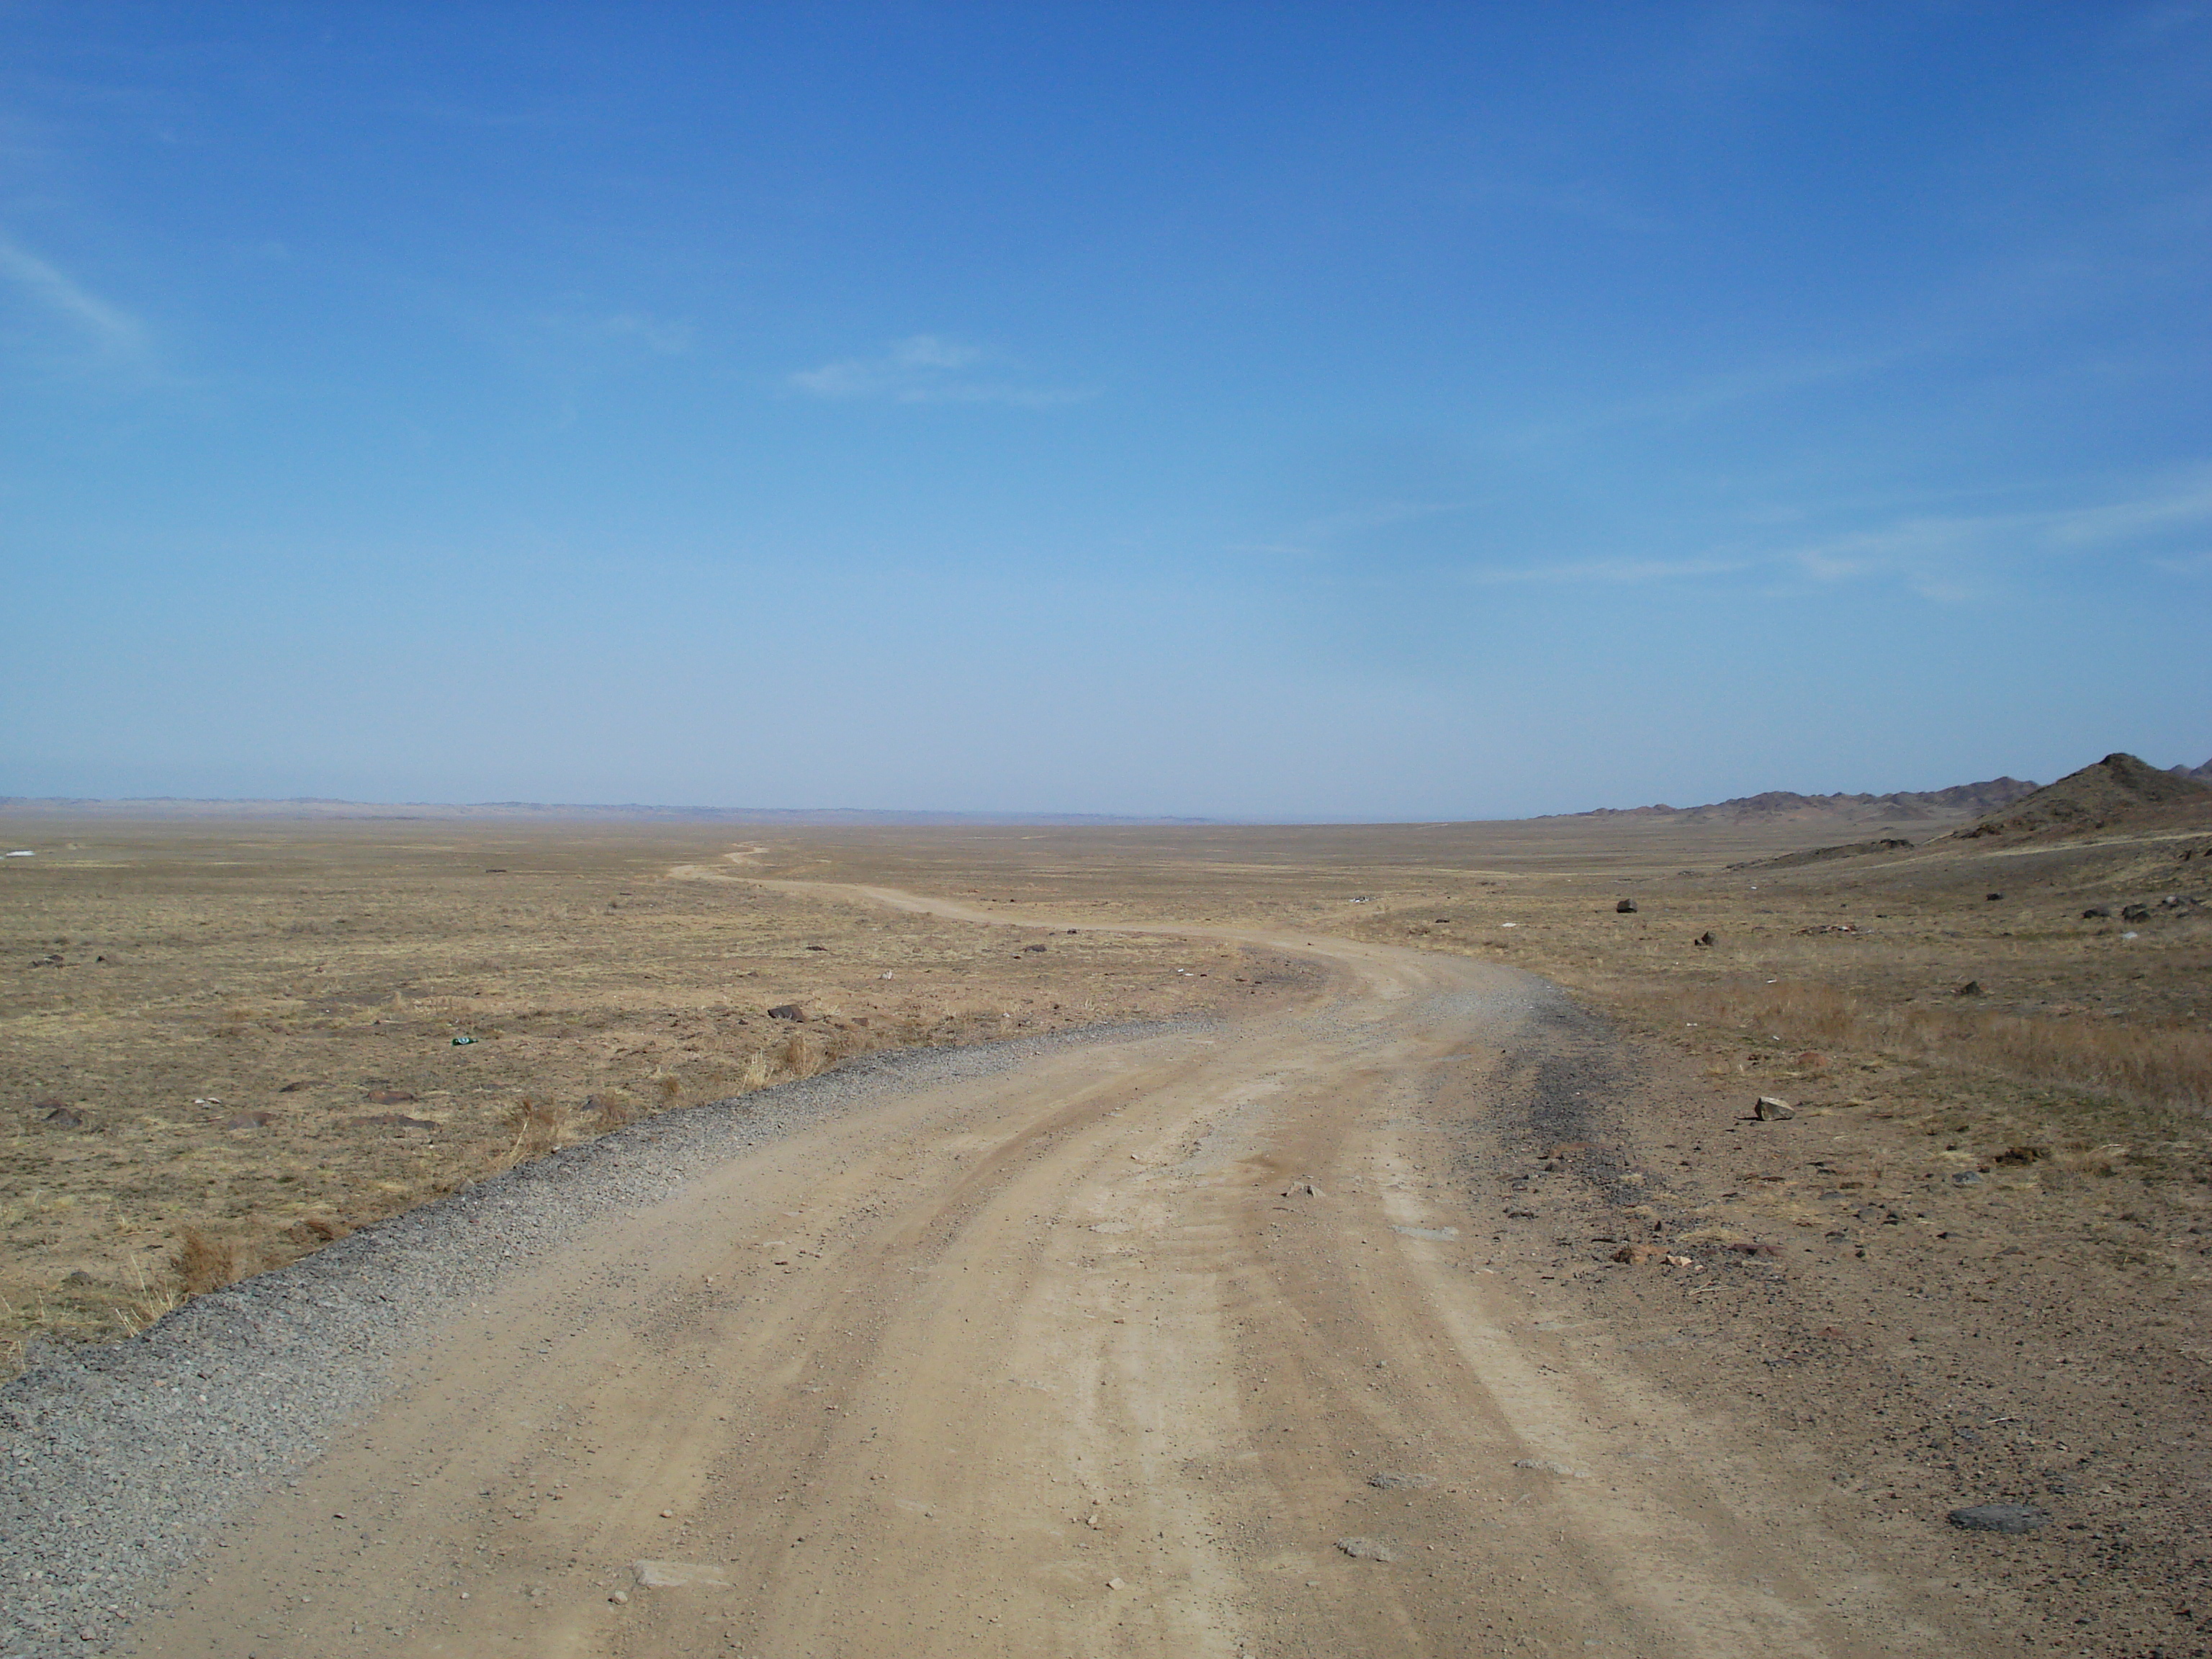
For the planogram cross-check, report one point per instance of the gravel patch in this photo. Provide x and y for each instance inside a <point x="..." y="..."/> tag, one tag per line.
<point x="121" y="1463"/>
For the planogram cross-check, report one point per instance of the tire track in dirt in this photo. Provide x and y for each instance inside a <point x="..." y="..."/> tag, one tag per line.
<point x="1175" y="1345"/>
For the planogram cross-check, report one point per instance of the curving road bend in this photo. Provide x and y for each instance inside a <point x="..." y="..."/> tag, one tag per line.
<point x="1174" y="1345"/>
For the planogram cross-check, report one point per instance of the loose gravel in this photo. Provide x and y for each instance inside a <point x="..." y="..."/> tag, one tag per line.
<point x="124" y="1461"/>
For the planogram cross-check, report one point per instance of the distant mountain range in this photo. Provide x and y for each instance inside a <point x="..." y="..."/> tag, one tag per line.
<point x="1963" y="801"/>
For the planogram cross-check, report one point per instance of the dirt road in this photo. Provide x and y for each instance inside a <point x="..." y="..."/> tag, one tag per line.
<point x="1179" y="1345"/>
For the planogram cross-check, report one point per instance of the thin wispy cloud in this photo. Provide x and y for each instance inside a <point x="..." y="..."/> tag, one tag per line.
<point x="1946" y="558"/>
<point x="927" y="369"/>
<point x="663" y="339"/>
<point x="1325" y="534"/>
<point x="1930" y="552"/>
<point x="58" y="297"/>
<point x="1611" y="572"/>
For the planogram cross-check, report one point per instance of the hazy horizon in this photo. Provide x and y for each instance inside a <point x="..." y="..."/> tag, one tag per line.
<point x="1266" y="413"/>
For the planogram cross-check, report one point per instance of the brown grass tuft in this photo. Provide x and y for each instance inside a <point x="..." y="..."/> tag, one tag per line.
<point x="204" y="1263"/>
<point x="537" y="1126"/>
<point x="151" y="1304"/>
<point x="612" y="1112"/>
<point x="799" y="1057"/>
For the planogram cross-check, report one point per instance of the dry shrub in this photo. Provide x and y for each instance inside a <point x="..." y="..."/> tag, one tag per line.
<point x="537" y="1126"/>
<point x="671" y="1087"/>
<point x="204" y="1263"/>
<point x="846" y="1041"/>
<point x="799" y="1057"/>
<point x="759" y="1072"/>
<point x="612" y="1111"/>
<point x="2158" y="1065"/>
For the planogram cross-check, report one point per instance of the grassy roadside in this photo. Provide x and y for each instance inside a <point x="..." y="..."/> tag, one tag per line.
<point x="223" y="1047"/>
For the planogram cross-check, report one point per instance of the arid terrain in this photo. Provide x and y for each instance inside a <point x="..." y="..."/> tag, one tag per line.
<point x="1385" y="1300"/>
<point x="248" y="1035"/>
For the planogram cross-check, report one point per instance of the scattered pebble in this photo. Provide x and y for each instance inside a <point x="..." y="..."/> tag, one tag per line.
<point x="676" y="1575"/>
<point x="1366" y="1549"/>
<point x="1545" y="1465"/>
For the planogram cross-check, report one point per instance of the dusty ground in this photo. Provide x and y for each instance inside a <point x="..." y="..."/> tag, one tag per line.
<point x="254" y="1025"/>
<point x="1163" y="1313"/>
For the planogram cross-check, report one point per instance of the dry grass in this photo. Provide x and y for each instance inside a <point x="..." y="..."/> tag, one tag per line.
<point x="2150" y="1066"/>
<point x="253" y="1028"/>
<point x="152" y="1302"/>
<point x="611" y="1112"/>
<point x="537" y="1127"/>
<point x="206" y="1262"/>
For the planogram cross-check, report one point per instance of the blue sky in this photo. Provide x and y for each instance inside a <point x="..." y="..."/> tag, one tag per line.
<point x="1281" y="410"/>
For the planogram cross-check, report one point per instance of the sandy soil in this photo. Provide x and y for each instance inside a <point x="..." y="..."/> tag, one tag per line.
<point x="1231" y="1315"/>
<point x="1191" y="1345"/>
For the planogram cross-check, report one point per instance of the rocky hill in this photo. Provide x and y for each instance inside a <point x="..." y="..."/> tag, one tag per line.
<point x="2115" y="789"/>
<point x="1964" y="800"/>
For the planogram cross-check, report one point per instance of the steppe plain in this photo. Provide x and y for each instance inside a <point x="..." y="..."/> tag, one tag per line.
<point x="1975" y="1265"/>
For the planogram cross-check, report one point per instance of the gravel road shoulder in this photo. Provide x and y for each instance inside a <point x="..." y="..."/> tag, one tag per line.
<point x="126" y="1461"/>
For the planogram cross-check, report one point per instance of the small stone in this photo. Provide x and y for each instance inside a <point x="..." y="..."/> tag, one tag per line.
<point x="1546" y="1465"/>
<point x="249" y="1120"/>
<point x="2098" y="913"/>
<point x="1366" y="1549"/>
<point x="677" y="1575"/>
<point x="1966" y="1178"/>
<point x="619" y="1598"/>
<point x="1390" y="1480"/>
<point x="1626" y="907"/>
<point x="2000" y="1517"/>
<point x="1972" y="987"/>
<point x="2135" y="912"/>
<point x="1768" y="1109"/>
<point x="1113" y="1583"/>
<point x="64" y="1117"/>
<point x="790" y="1010"/>
<point x="1639" y="1255"/>
<point x="1707" y="937"/>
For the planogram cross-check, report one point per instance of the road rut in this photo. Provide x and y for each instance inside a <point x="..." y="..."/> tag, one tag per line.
<point x="1180" y="1344"/>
